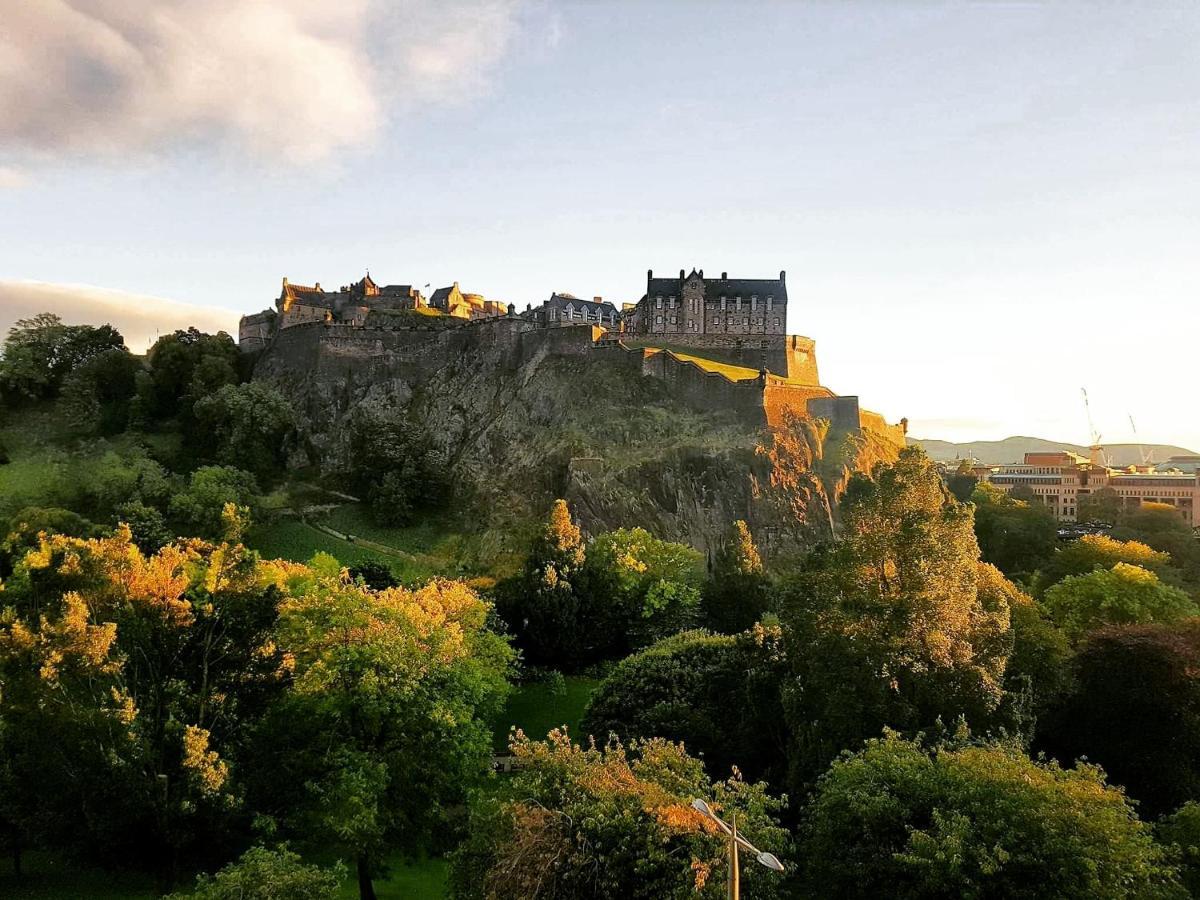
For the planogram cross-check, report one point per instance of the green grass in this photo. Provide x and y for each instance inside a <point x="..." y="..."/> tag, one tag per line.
<point x="535" y="710"/>
<point x="423" y="879"/>
<point x="46" y="877"/>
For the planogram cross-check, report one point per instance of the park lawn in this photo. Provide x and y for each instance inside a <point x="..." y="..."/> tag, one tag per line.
<point x="535" y="709"/>
<point x="46" y="877"/>
<point x="423" y="879"/>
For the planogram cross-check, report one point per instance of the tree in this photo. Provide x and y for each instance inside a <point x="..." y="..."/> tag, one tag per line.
<point x="1162" y="527"/>
<point x="1099" y="551"/>
<point x="1103" y="506"/>
<point x="1121" y="595"/>
<point x="40" y="352"/>
<point x="1038" y="669"/>
<point x="98" y="394"/>
<point x="1181" y="830"/>
<point x="558" y="620"/>
<point x="200" y="508"/>
<point x="182" y="368"/>
<point x="132" y="683"/>
<point x="962" y="483"/>
<point x="737" y="593"/>
<point x="394" y="465"/>
<point x="898" y="820"/>
<point x="386" y="723"/>
<point x="1016" y="536"/>
<point x="1135" y="709"/>
<point x="719" y="695"/>
<point x="612" y="821"/>
<point x="888" y="627"/>
<point x="651" y="584"/>
<point x="246" y="426"/>
<point x="262" y="874"/>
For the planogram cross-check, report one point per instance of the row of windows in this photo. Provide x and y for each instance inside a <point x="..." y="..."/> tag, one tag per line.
<point x="730" y="320"/>
<point x="658" y="302"/>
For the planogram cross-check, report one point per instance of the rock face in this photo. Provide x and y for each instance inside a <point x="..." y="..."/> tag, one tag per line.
<point x="521" y="415"/>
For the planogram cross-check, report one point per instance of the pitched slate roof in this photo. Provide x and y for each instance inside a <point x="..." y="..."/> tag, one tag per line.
<point x="441" y="295"/>
<point x="715" y="288"/>
<point x="603" y="307"/>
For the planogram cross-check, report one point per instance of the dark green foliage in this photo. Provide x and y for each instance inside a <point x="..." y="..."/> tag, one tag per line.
<point x="39" y="354"/>
<point x="737" y="593"/>
<point x="184" y="367"/>
<point x="98" y="394"/>
<point x="1181" y="830"/>
<point x="262" y="874"/>
<point x="147" y="525"/>
<point x="246" y="426"/>
<point x="896" y="820"/>
<point x="1016" y="536"/>
<point x="962" y="483"/>
<point x="395" y="467"/>
<point x="1135" y="710"/>
<point x="374" y="575"/>
<point x="719" y="695"/>
<point x="558" y="618"/>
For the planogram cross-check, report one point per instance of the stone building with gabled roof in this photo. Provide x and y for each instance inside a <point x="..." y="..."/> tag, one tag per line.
<point x="567" y="309"/>
<point x="694" y="305"/>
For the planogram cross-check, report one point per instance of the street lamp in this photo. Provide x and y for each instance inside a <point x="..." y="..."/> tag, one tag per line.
<point x="735" y="841"/>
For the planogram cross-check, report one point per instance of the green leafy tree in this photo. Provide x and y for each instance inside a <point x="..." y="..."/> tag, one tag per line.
<point x="888" y="627"/>
<point x="98" y="393"/>
<point x="612" y="821"/>
<point x="246" y="426"/>
<point x="1104" y="505"/>
<point x="200" y="508"/>
<point x="737" y="593"/>
<point x="39" y="353"/>
<point x="184" y="367"/>
<point x="1162" y="527"/>
<point x="558" y="619"/>
<point x="719" y="695"/>
<point x="386" y="723"/>
<point x="1181" y="831"/>
<point x="262" y="874"/>
<point x="1121" y="595"/>
<point x="1039" y="665"/>
<point x="131" y="685"/>
<point x="898" y="820"/>
<point x="1016" y="536"/>
<point x="1099" y="551"/>
<point x="394" y="466"/>
<point x="962" y="483"/>
<point x="1134" y="708"/>
<point x="651" y="584"/>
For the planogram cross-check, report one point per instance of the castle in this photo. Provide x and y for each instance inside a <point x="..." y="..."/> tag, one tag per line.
<point x="717" y="342"/>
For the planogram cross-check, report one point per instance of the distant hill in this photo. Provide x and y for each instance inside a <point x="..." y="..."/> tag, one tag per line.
<point x="1013" y="450"/>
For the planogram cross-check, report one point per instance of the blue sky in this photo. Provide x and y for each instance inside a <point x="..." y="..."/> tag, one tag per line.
<point x="981" y="207"/>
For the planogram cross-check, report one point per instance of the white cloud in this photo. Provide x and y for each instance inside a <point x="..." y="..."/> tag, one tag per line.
<point x="291" y="80"/>
<point x="11" y="178"/>
<point x="138" y="317"/>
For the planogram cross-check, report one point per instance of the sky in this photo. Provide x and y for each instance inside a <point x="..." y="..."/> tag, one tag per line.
<point x="982" y="207"/>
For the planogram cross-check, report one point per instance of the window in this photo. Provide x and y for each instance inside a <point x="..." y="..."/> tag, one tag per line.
<point x="658" y="302"/>
<point x="658" y="320"/>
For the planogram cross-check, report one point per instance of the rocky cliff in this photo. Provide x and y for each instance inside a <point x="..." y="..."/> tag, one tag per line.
<point x="522" y="415"/>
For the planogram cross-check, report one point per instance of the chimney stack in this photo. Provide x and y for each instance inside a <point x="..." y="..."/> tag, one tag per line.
<point x="597" y="299"/>
<point x="724" y="276"/>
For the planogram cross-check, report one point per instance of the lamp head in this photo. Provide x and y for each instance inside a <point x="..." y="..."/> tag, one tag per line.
<point x="770" y="861"/>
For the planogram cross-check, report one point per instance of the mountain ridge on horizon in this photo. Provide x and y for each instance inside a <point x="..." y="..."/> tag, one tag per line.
<point x="1013" y="449"/>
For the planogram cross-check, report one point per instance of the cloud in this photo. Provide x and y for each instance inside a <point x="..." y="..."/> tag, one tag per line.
<point x="11" y="178"/>
<point x="288" y="80"/>
<point x="138" y="317"/>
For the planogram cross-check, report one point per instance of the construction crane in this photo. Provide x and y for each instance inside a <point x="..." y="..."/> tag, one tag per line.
<point x="1097" y="450"/>
<point x="1145" y="454"/>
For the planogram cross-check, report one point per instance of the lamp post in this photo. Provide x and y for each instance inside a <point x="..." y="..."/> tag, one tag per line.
<point x="736" y="841"/>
